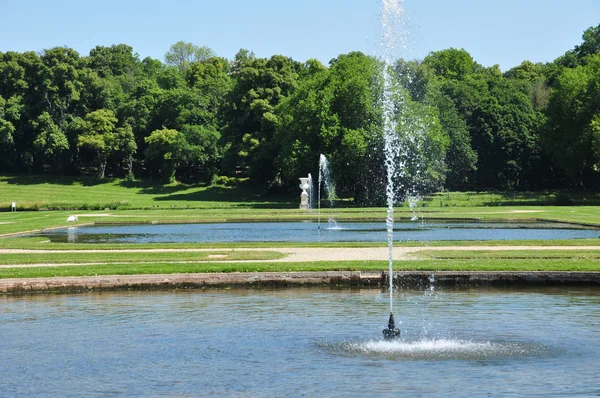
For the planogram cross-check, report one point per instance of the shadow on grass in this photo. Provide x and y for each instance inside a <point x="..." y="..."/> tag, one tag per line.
<point x="547" y="198"/>
<point x="12" y="179"/>
<point x="246" y="197"/>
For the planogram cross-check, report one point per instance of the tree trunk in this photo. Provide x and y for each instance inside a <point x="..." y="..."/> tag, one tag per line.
<point x="102" y="167"/>
<point x="130" y="166"/>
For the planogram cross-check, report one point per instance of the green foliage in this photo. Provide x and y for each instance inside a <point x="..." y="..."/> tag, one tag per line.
<point x="269" y="119"/>
<point x="50" y="141"/>
<point x="167" y="150"/>
<point x="260" y="84"/>
<point x="572" y="129"/>
<point x="451" y="64"/>
<point x="98" y="136"/>
<point x="182" y="55"/>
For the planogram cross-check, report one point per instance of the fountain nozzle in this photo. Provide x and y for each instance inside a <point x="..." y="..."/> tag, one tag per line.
<point x="391" y="332"/>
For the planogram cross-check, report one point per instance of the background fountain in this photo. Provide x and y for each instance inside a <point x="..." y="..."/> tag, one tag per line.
<point x="327" y="183"/>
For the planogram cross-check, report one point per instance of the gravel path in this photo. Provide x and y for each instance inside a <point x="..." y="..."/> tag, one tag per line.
<point x="301" y="254"/>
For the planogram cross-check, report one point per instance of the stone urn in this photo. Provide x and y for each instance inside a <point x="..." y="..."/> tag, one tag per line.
<point x="304" y="195"/>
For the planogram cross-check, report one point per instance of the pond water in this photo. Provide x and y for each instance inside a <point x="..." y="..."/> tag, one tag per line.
<point x="301" y="342"/>
<point x="308" y="232"/>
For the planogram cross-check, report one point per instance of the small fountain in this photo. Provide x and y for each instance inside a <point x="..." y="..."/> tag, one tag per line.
<point x="327" y="183"/>
<point x="310" y="191"/>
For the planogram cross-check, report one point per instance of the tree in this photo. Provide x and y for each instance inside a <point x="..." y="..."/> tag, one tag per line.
<point x="60" y="84"/>
<point x="167" y="150"/>
<point x="571" y="134"/>
<point x="182" y="55"/>
<point x="451" y="63"/>
<point x="98" y="136"/>
<point x="338" y="112"/>
<point x="250" y="111"/>
<point x="7" y="129"/>
<point x="116" y="60"/>
<point x="204" y="152"/>
<point x="50" y="142"/>
<point x="581" y="53"/>
<point x="125" y="146"/>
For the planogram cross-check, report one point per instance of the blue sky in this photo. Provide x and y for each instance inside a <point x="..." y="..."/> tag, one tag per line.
<point x="503" y="32"/>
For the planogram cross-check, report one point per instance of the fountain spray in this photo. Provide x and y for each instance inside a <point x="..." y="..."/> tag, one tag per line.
<point x="391" y="16"/>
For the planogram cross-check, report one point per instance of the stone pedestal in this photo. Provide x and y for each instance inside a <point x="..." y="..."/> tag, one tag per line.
<point x="304" y="195"/>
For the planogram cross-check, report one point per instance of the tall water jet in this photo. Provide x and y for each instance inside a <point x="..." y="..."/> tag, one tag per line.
<point x="329" y="187"/>
<point x="391" y="14"/>
<point x="310" y="191"/>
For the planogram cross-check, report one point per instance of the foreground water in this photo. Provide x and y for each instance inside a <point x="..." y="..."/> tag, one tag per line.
<point x="308" y="232"/>
<point x="297" y="342"/>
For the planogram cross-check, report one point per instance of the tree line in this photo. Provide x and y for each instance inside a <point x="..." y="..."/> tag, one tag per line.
<point x="197" y="116"/>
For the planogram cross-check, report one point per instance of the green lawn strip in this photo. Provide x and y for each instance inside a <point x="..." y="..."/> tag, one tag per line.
<point x="508" y="254"/>
<point x="41" y="243"/>
<point x="128" y="257"/>
<point x="534" y="264"/>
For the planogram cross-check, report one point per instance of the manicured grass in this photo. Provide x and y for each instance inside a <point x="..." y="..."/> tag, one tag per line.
<point x="61" y="192"/>
<point x="512" y="198"/>
<point x="510" y="254"/>
<point x="418" y="265"/>
<point x="119" y="201"/>
<point x="40" y="243"/>
<point x="142" y="257"/>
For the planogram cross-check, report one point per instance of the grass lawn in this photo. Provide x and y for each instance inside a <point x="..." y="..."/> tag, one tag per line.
<point x="572" y="265"/>
<point x="118" y="201"/>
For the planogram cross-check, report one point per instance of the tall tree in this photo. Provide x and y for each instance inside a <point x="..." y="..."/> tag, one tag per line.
<point x="50" y="142"/>
<point x="98" y="136"/>
<point x="572" y="135"/>
<point x="167" y="150"/>
<point x="182" y="55"/>
<point x="259" y="86"/>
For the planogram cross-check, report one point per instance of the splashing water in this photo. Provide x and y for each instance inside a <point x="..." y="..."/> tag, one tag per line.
<point x="310" y="192"/>
<point x="438" y="349"/>
<point x="325" y="180"/>
<point x="391" y="15"/>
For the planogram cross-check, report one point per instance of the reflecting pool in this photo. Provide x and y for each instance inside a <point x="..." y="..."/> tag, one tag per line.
<point x="293" y="342"/>
<point x="308" y="232"/>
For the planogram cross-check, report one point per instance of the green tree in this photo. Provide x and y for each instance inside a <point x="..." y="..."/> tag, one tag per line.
<point x="182" y="55"/>
<point x="50" y="142"/>
<point x="98" y="136"/>
<point x="338" y="112"/>
<point x="116" y="60"/>
<point x="125" y="147"/>
<point x="571" y="135"/>
<point x="167" y="150"/>
<point x="451" y="63"/>
<point x="259" y="86"/>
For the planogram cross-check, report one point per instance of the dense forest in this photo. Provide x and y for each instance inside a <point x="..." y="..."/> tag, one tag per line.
<point x="197" y="117"/>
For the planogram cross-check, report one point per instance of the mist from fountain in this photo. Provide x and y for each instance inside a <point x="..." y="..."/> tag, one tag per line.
<point x="325" y="180"/>
<point x="310" y="192"/>
<point x="391" y="12"/>
<point x="404" y="135"/>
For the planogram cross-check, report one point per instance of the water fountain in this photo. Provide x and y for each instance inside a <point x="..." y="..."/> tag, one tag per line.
<point x="327" y="183"/>
<point x="391" y="12"/>
<point x="310" y="191"/>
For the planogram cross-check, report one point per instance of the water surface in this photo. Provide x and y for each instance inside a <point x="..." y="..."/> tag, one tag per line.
<point x="301" y="342"/>
<point x="309" y="232"/>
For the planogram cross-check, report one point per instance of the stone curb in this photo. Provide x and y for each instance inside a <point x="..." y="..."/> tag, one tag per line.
<point x="408" y="280"/>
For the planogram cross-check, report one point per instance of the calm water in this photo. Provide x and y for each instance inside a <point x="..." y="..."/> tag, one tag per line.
<point x="295" y="342"/>
<point x="308" y="232"/>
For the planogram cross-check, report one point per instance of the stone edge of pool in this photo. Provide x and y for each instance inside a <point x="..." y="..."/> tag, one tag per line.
<point x="406" y="279"/>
